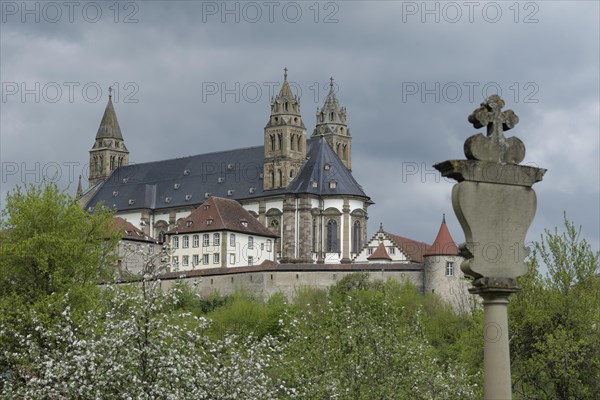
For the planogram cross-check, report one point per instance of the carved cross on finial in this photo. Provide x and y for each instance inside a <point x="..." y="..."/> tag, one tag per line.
<point x="285" y="74"/>
<point x="490" y="114"/>
<point x="495" y="147"/>
<point x="331" y="82"/>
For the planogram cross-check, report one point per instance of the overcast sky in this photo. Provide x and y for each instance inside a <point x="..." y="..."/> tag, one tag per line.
<point x="192" y="77"/>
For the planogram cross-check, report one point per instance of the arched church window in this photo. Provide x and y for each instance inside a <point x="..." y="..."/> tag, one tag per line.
<point x="280" y="178"/>
<point x="286" y="106"/>
<point x="299" y="143"/>
<point x="293" y="142"/>
<point x="272" y="179"/>
<point x="279" y="141"/>
<point x="332" y="236"/>
<point x="291" y="173"/>
<point x="331" y="116"/>
<point x="272" y="138"/>
<point x="356" y="236"/>
<point x="344" y="151"/>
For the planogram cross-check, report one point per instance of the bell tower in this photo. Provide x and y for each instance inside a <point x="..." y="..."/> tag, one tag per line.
<point x="285" y="139"/>
<point x="331" y="124"/>
<point x="109" y="151"/>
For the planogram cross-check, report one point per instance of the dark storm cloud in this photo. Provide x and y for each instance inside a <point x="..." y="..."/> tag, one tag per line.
<point x="408" y="86"/>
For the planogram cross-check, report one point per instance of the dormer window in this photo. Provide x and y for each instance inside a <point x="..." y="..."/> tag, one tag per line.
<point x="332" y="185"/>
<point x="188" y="197"/>
<point x="230" y="167"/>
<point x="252" y="190"/>
<point x="206" y="195"/>
<point x="314" y="184"/>
<point x="186" y="172"/>
<point x="189" y="223"/>
<point x="205" y="206"/>
<point x="176" y="186"/>
<point x="131" y="202"/>
<point x="230" y="193"/>
<point x="125" y="180"/>
<point x="209" y="221"/>
<point x="327" y="167"/>
<point x="244" y="223"/>
<point x="220" y="179"/>
<point x="167" y="199"/>
<point x="115" y="194"/>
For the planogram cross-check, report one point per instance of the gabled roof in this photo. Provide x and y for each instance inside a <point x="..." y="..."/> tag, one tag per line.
<point x="380" y="254"/>
<point x="443" y="244"/>
<point x="324" y="173"/>
<point x="414" y="250"/>
<point x="109" y="126"/>
<point x="234" y="174"/>
<point x="130" y="232"/>
<point x="218" y="214"/>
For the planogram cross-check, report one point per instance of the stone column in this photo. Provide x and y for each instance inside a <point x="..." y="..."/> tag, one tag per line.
<point x="288" y="235"/>
<point x="305" y="230"/>
<point x="346" y="232"/>
<point x="495" y="206"/>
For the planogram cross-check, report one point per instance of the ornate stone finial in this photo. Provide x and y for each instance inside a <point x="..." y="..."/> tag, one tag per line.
<point x="331" y="83"/>
<point x="285" y="70"/>
<point x="494" y="147"/>
<point x="444" y="218"/>
<point x="381" y="227"/>
<point x="110" y="92"/>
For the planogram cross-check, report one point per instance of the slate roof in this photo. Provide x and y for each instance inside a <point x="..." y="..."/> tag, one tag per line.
<point x="218" y="214"/>
<point x="234" y="174"/>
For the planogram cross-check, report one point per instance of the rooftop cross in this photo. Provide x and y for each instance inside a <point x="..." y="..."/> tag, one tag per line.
<point x="331" y="82"/>
<point x="110" y="92"/>
<point x="285" y="74"/>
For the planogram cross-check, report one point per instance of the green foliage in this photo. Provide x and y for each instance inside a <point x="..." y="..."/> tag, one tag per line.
<point x="50" y="245"/>
<point x="244" y="314"/>
<point x="555" y="321"/>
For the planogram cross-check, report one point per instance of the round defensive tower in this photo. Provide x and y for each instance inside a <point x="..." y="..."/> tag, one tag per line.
<point x="442" y="274"/>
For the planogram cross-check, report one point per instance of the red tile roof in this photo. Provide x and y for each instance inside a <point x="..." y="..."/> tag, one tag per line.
<point x="380" y="254"/>
<point x="219" y="214"/>
<point x="414" y="250"/>
<point x="443" y="244"/>
<point x="130" y="232"/>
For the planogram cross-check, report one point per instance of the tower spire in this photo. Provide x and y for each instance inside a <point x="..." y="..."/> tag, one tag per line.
<point x="79" y="188"/>
<point x="285" y="139"/>
<point x="331" y="123"/>
<point x="109" y="151"/>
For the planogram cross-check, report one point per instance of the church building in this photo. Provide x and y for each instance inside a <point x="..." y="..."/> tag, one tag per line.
<point x="299" y="187"/>
<point x="300" y="206"/>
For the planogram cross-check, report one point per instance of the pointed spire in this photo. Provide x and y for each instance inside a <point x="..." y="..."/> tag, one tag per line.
<point x="331" y="113"/>
<point x="79" y="188"/>
<point x="109" y="126"/>
<point x="443" y="244"/>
